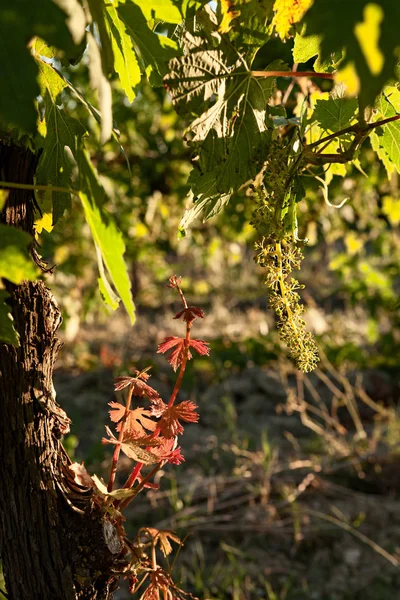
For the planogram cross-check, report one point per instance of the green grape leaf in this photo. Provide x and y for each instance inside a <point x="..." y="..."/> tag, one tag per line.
<point x="98" y="12"/>
<point x="169" y="11"/>
<point x="100" y="82"/>
<point x="367" y="32"/>
<point x="155" y="50"/>
<point x="8" y="335"/>
<point x="309" y="46"/>
<point x="336" y="113"/>
<point x="15" y="262"/>
<point x="106" y="291"/>
<point x="20" y="21"/>
<point x="61" y="134"/>
<point x="105" y="234"/>
<point x="387" y="137"/>
<point x="125" y="61"/>
<point x="230" y="136"/>
<point x="383" y="157"/>
<point x="254" y="14"/>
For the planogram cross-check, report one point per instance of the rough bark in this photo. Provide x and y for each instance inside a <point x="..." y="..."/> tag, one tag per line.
<point x="55" y="542"/>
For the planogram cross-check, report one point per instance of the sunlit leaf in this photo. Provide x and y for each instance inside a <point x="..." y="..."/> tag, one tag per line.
<point x="104" y="231"/>
<point x="125" y="60"/>
<point x="98" y="12"/>
<point x="16" y="264"/>
<point x="336" y="113"/>
<point x="388" y="136"/>
<point x="155" y="50"/>
<point x="20" y="21"/>
<point x="230" y="135"/>
<point x="367" y="32"/>
<point x="61" y="134"/>
<point x="99" y="81"/>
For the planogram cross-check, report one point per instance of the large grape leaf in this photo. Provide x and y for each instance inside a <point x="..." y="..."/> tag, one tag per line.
<point x="386" y="139"/>
<point x="170" y="11"/>
<point x="245" y="23"/>
<point x="335" y="113"/>
<point x="309" y="46"/>
<point x="15" y="262"/>
<point x="20" y="21"/>
<point x="106" y="236"/>
<point x="8" y="335"/>
<point x="367" y="31"/>
<point x="98" y="12"/>
<point x="154" y="50"/>
<point x="230" y="135"/>
<point x="125" y="60"/>
<point x="61" y="134"/>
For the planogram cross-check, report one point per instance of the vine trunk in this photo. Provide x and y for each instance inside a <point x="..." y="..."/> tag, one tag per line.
<point x="55" y="544"/>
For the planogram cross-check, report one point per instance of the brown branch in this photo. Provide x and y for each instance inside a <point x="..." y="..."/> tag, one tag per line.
<point x="291" y="74"/>
<point x="357" y="128"/>
<point x="361" y="133"/>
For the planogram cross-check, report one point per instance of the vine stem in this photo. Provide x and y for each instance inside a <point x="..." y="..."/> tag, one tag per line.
<point x="138" y="467"/>
<point x="117" y="448"/>
<point x="282" y="288"/>
<point x="357" y="129"/>
<point x="40" y="188"/>
<point x="291" y="74"/>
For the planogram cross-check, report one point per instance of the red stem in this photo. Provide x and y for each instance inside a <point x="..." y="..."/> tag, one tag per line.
<point x="138" y="467"/>
<point x="117" y="448"/>
<point x="292" y="74"/>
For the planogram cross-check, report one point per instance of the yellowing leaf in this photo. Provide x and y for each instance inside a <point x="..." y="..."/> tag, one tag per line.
<point x="353" y="243"/>
<point x="44" y="222"/>
<point x="288" y="13"/>
<point x="228" y="14"/>
<point x="391" y="208"/>
<point x="120" y="494"/>
<point x="3" y="197"/>
<point x="16" y="264"/>
<point x="368" y="34"/>
<point x="349" y="78"/>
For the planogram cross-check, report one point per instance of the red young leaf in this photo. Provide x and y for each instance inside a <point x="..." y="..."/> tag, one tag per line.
<point x="137" y="420"/>
<point x="200" y="346"/>
<point x="167" y="451"/>
<point x="177" y="354"/>
<point x="190" y="313"/>
<point x="161" y="537"/>
<point x="169" y="423"/>
<point x="138" y="383"/>
<point x="179" y="347"/>
<point x="133" y="448"/>
<point x="160" y="581"/>
<point x="117" y="411"/>
<point x="174" y="281"/>
<point x="158" y="408"/>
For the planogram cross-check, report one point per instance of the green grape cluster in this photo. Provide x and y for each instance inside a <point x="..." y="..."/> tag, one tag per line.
<point x="280" y="259"/>
<point x="278" y="251"/>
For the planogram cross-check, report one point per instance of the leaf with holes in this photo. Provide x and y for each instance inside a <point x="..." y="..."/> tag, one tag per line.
<point x="230" y="136"/>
